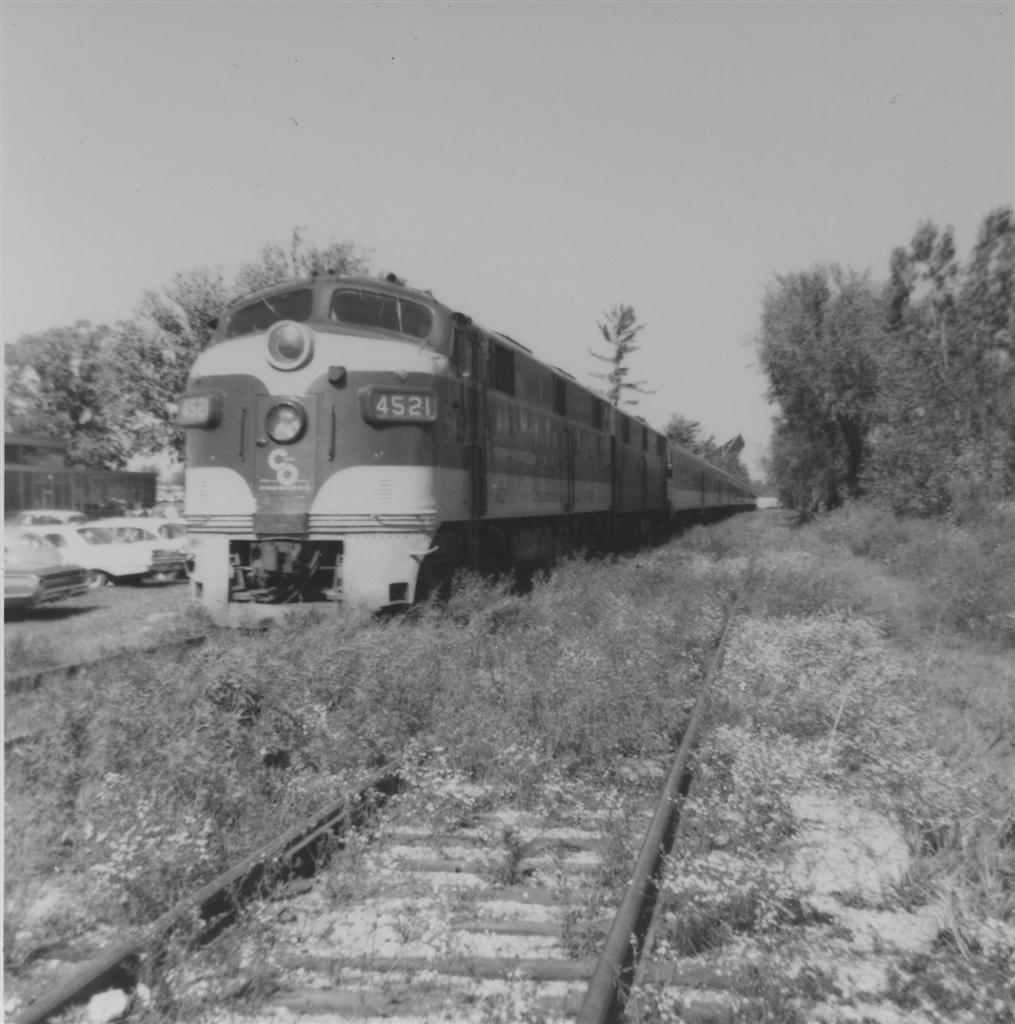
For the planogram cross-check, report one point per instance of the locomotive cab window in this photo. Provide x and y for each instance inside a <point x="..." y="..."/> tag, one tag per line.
<point x="460" y="351"/>
<point x="598" y="417"/>
<point x="260" y="315"/>
<point x="560" y="396"/>
<point x="502" y="369"/>
<point x="375" y="309"/>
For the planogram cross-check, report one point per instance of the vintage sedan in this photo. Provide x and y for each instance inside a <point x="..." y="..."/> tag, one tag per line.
<point x="167" y="540"/>
<point x="172" y="531"/>
<point x="114" y="554"/>
<point x="49" y="517"/>
<point x="34" y="572"/>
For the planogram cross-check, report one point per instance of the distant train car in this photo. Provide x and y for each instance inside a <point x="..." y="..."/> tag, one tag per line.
<point x="699" y="489"/>
<point x="354" y="440"/>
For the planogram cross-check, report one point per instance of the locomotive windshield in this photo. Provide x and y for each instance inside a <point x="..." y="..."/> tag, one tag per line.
<point x="374" y="309"/>
<point x="260" y="315"/>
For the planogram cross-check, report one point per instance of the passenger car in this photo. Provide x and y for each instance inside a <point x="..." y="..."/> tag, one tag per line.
<point x="34" y="572"/>
<point x="113" y="553"/>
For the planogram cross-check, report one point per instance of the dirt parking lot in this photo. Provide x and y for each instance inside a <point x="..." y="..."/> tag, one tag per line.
<point x="97" y="623"/>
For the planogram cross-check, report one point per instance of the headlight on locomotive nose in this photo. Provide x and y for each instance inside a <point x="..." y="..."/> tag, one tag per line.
<point x="286" y="422"/>
<point x="290" y="345"/>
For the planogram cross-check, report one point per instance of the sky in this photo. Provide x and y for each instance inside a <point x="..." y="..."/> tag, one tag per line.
<point x="534" y="165"/>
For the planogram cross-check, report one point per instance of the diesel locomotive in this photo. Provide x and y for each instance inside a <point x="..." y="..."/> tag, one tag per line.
<point x="352" y="440"/>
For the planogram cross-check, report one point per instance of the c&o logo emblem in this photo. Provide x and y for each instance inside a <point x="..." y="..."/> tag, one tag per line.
<point x="286" y="472"/>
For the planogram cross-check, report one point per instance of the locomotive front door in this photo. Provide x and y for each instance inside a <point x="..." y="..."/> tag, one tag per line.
<point x="284" y="464"/>
<point x="475" y="428"/>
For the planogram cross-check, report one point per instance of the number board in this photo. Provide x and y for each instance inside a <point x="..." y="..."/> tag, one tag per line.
<point x="386" y="405"/>
<point x="202" y="410"/>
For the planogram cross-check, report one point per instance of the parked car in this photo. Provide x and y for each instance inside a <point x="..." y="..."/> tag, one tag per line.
<point x="49" y="516"/>
<point x="172" y="531"/>
<point x="34" y="572"/>
<point x="113" y="554"/>
<point x="166" y="538"/>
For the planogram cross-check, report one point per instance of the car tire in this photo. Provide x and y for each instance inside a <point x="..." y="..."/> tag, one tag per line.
<point x="165" y="577"/>
<point x="98" y="580"/>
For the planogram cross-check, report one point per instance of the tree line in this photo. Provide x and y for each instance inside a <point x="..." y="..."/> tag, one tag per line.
<point x="904" y="390"/>
<point x="110" y="389"/>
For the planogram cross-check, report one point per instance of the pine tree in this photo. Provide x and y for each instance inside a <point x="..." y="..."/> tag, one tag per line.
<point x="619" y="332"/>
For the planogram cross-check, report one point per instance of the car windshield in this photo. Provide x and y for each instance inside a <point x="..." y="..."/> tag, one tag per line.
<point x="95" y="535"/>
<point x="260" y="315"/>
<point x="376" y="309"/>
<point x="132" y="534"/>
<point x="49" y="518"/>
<point x="28" y="549"/>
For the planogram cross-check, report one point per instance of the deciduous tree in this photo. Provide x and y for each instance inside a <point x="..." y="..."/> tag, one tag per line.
<point x="945" y="429"/>
<point x="819" y="336"/>
<point x="175" y="323"/>
<point x="798" y="464"/>
<point x="276" y="265"/>
<point x="683" y="431"/>
<point x="59" y="384"/>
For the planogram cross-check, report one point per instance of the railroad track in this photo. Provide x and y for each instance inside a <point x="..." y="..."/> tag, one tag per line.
<point x="505" y="913"/>
<point x="31" y="679"/>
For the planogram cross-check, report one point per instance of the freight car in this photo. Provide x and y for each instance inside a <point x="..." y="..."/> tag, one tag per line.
<point x="354" y="440"/>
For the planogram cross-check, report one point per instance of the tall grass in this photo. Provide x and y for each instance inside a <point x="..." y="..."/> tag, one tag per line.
<point x="150" y="776"/>
<point x="873" y="660"/>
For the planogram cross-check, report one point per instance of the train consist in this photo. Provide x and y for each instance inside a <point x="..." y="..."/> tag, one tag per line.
<point x="354" y="440"/>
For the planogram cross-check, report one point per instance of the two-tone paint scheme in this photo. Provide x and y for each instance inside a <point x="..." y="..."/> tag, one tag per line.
<point x="697" y="489"/>
<point x="347" y="438"/>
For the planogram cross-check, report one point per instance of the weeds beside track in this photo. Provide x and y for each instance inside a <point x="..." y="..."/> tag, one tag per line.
<point x="829" y="705"/>
<point x="609" y="981"/>
<point x="19" y="682"/>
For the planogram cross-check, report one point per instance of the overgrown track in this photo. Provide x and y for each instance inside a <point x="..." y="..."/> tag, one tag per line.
<point x="518" y="902"/>
<point x="33" y="679"/>
<point x="36" y="677"/>
<point x="295" y="850"/>
<point x="617" y="967"/>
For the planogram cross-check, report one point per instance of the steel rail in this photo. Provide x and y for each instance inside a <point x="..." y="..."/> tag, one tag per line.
<point x="31" y="679"/>
<point x="216" y="899"/>
<point x="615" y="970"/>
